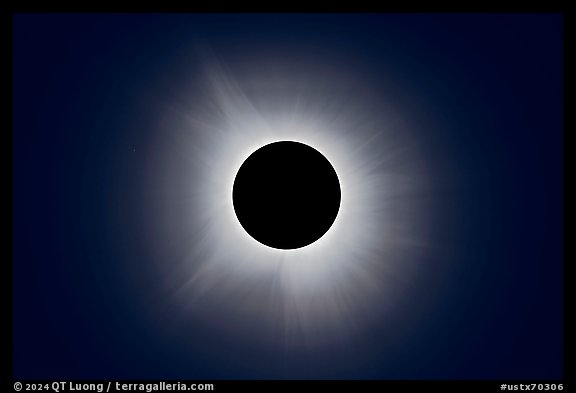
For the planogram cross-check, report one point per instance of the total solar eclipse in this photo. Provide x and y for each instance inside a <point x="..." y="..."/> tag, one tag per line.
<point x="286" y="195"/>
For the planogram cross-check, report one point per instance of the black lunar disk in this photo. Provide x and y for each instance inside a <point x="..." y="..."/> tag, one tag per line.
<point x="286" y="195"/>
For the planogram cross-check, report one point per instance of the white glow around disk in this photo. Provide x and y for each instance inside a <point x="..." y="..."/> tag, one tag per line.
<point x="364" y="260"/>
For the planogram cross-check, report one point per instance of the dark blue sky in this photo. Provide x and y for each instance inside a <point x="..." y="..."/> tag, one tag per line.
<point x="489" y="85"/>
